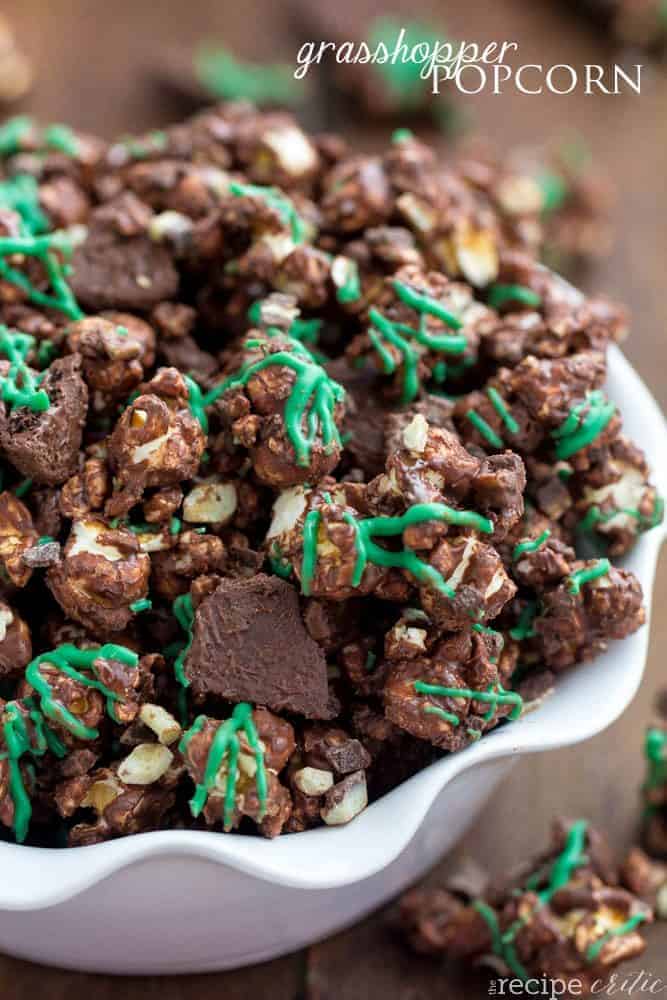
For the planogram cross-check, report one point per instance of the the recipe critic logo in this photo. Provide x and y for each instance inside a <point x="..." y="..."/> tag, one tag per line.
<point x="473" y="68"/>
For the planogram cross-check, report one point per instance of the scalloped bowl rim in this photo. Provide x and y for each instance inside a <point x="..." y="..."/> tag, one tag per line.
<point x="37" y="878"/>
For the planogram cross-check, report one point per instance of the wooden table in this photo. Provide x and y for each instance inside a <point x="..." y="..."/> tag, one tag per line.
<point x="91" y="58"/>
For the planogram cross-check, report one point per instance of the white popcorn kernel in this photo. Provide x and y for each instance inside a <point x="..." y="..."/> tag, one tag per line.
<point x="313" y="780"/>
<point x="353" y="800"/>
<point x="162" y="722"/>
<point x="287" y="510"/>
<point x="85" y="535"/>
<point x="293" y="150"/>
<point x="477" y="257"/>
<point x="146" y="764"/>
<point x="101" y="794"/>
<point x="6" y="618"/>
<point x="211" y="502"/>
<point x="415" y="435"/>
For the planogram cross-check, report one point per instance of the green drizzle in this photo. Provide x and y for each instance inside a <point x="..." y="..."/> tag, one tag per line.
<point x="577" y="431"/>
<point x="554" y="191"/>
<point x="501" y="408"/>
<point x="406" y="559"/>
<point x="524" y="627"/>
<point x="140" y="149"/>
<point x="12" y="134"/>
<point x="494" y="696"/>
<point x="279" y="564"/>
<point x="23" y="487"/>
<point x="19" y="387"/>
<point x="311" y="527"/>
<point x="402" y="78"/>
<point x="581" y="576"/>
<point x="655" y="749"/>
<point x="226" y="743"/>
<point x="484" y="428"/>
<point x="350" y="288"/>
<point x="20" y="194"/>
<point x="530" y="546"/>
<point x="499" y="295"/>
<point x="18" y="743"/>
<point x="145" y="604"/>
<point x="226" y="77"/>
<point x="60" y="138"/>
<point x="594" y="516"/>
<point x="561" y="872"/>
<point x="67" y="658"/>
<point x="276" y="200"/>
<point x="387" y="527"/>
<point x="385" y="331"/>
<point x="400" y="135"/>
<point x="184" y="614"/>
<point x="45" y="249"/>
<point x="313" y="397"/>
<point x="594" y="949"/>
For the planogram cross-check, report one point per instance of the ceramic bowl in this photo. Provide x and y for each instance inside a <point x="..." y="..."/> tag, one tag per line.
<point x="184" y="901"/>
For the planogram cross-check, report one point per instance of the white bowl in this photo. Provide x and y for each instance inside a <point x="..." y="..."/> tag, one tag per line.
<point x="183" y="901"/>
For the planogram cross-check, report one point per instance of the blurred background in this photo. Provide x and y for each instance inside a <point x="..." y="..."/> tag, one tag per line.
<point x="127" y="66"/>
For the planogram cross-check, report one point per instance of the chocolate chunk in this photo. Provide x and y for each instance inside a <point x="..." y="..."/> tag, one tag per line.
<point x="112" y="271"/>
<point x="331" y="749"/>
<point x="45" y="446"/>
<point x="250" y="644"/>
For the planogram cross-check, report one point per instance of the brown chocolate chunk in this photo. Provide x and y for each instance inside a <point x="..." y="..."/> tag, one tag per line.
<point x="250" y="644"/>
<point x="111" y="270"/>
<point x="45" y="446"/>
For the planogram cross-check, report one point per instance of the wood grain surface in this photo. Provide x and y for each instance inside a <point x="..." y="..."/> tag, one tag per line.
<point x="94" y="62"/>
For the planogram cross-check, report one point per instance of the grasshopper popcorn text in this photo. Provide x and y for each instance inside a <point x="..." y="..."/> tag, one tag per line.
<point x="472" y="67"/>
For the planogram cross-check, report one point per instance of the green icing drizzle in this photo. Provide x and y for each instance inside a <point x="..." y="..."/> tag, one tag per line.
<point x="350" y="289"/>
<point x="577" y="432"/>
<point x="400" y="135"/>
<point x="561" y="872"/>
<point x="484" y="428"/>
<point x="19" y="387"/>
<point x="226" y="77"/>
<point x="20" y="193"/>
<point x="313" y="397"/>
<point x="384" y="331"/>
<point x="499" y="295"/>
<point x="655" y="749"/>
<point x="226" y="744"/>
<point x="501" y="408"/>
<point x="495" y="695"/>
<point x="23" y="487"/>
<point x="18" y="743"/>
<point x="44" y="249"/>
<point x="369" y="551"/>
<point x="311" y="526"/>
<point x="594" y="949"/>
<point x="554" y="191"/>
<point x="581" y="576"/>
<point x="402" y="78"/>
<point x="524" y="627"/>
<point x="276" y="200"/>
<point x="279" y="565"/>
<point x="145" y="604"/>
<point x="61" y="138"/>
<point x="12" y="133"/>
<point x="594" y="516"/>
<point x="184" y="614"/>
<point x="530" y="546"/>
<point x="70" y="660"/>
